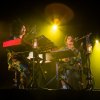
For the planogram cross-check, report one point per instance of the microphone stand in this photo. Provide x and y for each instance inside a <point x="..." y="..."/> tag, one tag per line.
<point x="89" y="85"/>
<point x="77" y="39"/>
<point x="89" y="76"/>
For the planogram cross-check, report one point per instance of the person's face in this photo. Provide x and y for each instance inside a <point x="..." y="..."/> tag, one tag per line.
<point x="69" y="40"/>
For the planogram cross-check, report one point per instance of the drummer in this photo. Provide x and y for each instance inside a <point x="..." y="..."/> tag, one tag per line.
<point x="69" y="71"/>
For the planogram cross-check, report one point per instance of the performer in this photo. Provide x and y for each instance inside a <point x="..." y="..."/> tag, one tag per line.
<point x="17" y="61"/>
<point x="20" y="34"/>
<point x="71" y="67"/>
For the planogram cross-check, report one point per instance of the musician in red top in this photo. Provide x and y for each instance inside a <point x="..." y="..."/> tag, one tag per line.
<point x="17" y="61"/>
<point x="71" y="67"/>
<point x="18" y="30"/>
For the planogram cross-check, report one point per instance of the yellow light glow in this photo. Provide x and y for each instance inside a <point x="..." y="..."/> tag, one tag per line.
<point x="95" y="64"/>
<point x="97" y="41"/>
<point x="54" y="27"/>
<point x="55" y="36"/>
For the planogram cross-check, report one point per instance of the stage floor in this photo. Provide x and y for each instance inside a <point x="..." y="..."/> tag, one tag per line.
<point x="52" y="94"/>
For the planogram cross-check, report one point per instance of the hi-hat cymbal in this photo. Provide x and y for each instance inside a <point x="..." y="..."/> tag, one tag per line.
<point x="59" y="12"/>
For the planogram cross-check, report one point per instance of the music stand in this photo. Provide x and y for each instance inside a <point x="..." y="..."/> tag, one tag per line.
<point x="41" y="44"/>
<point x="60" y="55"/>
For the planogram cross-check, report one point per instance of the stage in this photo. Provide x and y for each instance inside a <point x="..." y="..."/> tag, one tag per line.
<point x="53" y="94"/>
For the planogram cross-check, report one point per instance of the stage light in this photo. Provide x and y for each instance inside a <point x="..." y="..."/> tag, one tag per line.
<point x="54" y="28"/>
<point x="95" y="64"/>
<point x="97" y="41"/>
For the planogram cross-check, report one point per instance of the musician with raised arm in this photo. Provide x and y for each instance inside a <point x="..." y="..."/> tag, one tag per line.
<point x="16" y="58"/>
<point x="18" y="29"/>
<point x="70" y="70"/>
